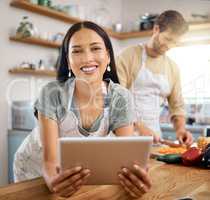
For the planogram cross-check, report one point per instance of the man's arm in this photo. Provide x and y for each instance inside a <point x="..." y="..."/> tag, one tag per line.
<point x="176" y="108"/>
<point x="184" y="136"/>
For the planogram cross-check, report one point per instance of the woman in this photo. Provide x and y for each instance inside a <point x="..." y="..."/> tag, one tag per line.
<point x="84" y="101"/>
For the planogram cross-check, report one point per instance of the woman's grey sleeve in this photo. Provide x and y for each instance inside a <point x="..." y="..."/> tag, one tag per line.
<point x="122" y="110"/>
<point x="46" y="103"/>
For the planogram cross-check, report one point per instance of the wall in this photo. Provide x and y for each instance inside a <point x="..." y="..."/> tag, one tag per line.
<point x="17" y="87"/>
<point x="11" y="53"/>
<point x="139" y="7"/>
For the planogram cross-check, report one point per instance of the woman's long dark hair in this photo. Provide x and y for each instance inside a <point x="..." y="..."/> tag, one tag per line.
<point x="62" y="62"/>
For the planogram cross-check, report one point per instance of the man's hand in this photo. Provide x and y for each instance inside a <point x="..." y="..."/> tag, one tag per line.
<point x="184" y="137"/>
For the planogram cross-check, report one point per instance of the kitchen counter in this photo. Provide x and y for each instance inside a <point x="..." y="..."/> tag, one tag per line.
<point x="170" y="182"/>
<point x="168" y="131"/>
<point x="192" y="128"/>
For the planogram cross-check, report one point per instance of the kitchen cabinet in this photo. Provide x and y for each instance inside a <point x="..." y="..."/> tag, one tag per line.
<point x="15" y="138"/>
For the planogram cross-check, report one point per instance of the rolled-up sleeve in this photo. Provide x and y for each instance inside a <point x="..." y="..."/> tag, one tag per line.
<point x="175" y="99"/>
<point x="47" y="103"/>
<point x="122" y="110"/>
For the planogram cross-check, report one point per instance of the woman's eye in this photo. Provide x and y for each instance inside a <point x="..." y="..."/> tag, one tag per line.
<point x="76" y="51"/>
<point x="96" y="48"/>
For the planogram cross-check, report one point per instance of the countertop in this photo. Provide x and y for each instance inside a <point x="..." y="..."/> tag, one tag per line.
<point x="193" y="128"/>
<point x="170" y="182"/>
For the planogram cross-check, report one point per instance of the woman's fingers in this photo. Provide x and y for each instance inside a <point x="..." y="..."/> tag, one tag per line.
<point x="131" y="193"/>
<point x="71" y="189"/>
<point x="65" y="174"/>
<point x="129" y="186"/>
<point x="143" y="175"/>
<point x="135" y="180"/>
<point x="70" y="180"/>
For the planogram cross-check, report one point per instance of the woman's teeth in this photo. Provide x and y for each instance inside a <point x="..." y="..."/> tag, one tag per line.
<point x="88" y="69"/>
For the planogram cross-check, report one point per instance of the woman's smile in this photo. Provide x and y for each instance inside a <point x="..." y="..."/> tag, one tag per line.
<point x="89" y="69"/>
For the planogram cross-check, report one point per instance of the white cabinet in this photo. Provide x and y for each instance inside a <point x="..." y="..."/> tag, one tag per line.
<point x="15" y="138"/>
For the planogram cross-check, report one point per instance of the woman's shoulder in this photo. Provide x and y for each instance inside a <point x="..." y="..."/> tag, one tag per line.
<point x="57" y="86"/>
<point x="117" y="91"/>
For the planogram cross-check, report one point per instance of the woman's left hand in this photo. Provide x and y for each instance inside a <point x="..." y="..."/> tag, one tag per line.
<point x="136" y="181"/>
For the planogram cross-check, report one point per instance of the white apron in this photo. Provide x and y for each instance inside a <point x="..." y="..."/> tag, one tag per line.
<point x="28" y="158"/>
<point x="149" y="92"/>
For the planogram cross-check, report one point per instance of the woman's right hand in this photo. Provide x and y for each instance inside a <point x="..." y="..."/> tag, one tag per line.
<point x="145" y="131"/>
<point x="65" y="183"/>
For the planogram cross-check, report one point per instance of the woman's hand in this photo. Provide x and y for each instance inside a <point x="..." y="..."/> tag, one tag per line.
<point x="135" y="182"/>
<point x="67" y="182"/>
<point x="145" y="131"/>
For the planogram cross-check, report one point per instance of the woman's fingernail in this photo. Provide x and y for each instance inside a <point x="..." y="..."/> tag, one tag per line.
<point x="125" y="170"/>
<point x="120" y="176"/>
<point x="78" y="168"/>
<point x="136" y="166"/>
<point x="86" y="171"/>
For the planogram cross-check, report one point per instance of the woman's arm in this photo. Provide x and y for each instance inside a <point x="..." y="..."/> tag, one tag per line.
<point x="63" y="182"/>
<point x="49" y="136"/>
<point x="145" y="131"/>
<point x="124" y="131"/>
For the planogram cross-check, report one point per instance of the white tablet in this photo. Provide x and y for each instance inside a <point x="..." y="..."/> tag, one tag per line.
<point x="104" y="156"/>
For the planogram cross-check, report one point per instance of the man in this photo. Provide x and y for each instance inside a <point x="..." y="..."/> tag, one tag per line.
<point x="153" y="78"/>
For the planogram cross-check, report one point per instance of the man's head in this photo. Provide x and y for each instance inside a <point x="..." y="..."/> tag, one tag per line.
<point x="167" y="31"/>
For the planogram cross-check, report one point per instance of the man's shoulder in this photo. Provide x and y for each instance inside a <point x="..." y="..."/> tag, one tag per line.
<point x="131" y="50"/>
<point x="172" y="64"/>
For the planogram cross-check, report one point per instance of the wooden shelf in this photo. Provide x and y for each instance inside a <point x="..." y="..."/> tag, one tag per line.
<point x="42" y="10"/>
<point x="33" y="72"/>
<point x="195" y="42"/>
<point x="36" y="41"/>
<point x="199" y="25"/>
<point x="130" y="35"/>
<point x="24" y="4"/>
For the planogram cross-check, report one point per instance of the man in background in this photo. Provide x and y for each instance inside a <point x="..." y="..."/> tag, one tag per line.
<point x="153" y="78"/>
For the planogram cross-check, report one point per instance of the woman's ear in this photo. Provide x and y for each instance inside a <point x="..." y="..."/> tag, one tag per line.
<point x="156" y="29"/>
<point x="67" y="60"/>
<point x="108" y="54"/>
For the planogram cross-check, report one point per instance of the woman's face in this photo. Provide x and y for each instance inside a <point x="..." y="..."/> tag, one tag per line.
<point x="88" y="56"/>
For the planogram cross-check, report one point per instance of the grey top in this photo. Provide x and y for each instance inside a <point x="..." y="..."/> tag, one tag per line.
<point x="54" y="98"/>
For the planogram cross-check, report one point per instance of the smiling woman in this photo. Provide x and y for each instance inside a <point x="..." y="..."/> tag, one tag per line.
<point x="90" y="58"/>
<point x="85" y="101"/>
<point x="76" y="49"/>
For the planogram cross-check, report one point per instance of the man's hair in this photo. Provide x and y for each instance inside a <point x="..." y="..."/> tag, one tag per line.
<point x="173" y="21"/>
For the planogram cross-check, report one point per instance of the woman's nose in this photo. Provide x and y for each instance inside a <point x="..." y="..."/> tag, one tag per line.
<point x="87" y="57"/>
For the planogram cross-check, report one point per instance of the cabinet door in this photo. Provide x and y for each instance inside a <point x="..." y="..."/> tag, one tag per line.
<point x="15" y="138"/>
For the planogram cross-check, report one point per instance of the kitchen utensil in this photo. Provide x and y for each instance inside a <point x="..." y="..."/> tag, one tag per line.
<point x="171" y="143"/>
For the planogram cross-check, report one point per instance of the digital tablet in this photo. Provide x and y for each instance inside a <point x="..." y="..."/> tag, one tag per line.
<point x="104" y="156"/>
